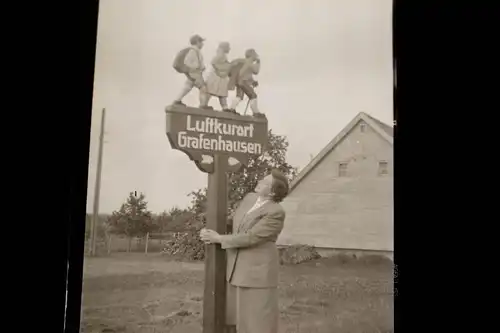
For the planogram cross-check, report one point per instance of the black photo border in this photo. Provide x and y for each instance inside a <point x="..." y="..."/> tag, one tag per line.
<point x="434" y="48"/>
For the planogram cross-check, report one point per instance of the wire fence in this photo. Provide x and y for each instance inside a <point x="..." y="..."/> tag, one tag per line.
<point x="151" y="243"/>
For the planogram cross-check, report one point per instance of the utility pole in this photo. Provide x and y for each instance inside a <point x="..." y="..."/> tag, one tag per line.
<point x="97" y="189"/>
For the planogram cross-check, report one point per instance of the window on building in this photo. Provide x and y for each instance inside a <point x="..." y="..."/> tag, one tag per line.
<point x="362" y="127"/>
<point x="382" y="168"/>
<point x="342" y="169"/>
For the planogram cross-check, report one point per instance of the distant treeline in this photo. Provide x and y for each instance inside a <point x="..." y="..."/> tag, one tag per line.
<point x="167" y="222"/>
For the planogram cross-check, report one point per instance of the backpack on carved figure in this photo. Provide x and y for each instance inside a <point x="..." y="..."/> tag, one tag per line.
<point x="179" y="65"/>
<point x="234" y="72"/>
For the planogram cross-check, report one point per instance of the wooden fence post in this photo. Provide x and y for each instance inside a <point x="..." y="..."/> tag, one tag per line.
<point x="110" y="237"/>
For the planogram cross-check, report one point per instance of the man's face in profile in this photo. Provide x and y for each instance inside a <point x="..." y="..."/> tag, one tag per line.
<point x="264" y="186"/>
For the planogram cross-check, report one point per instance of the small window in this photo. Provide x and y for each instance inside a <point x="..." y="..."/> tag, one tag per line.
<point x="362" y="128"/>
<point x="342" y="169"/>
<point x="382" y="168"/>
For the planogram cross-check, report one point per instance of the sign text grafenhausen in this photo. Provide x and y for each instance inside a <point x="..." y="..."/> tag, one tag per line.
<point x="203" y="132"/>
<point x="199" y="134"/>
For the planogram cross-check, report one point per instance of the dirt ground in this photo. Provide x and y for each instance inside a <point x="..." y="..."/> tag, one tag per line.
<point x="132" y="293"/>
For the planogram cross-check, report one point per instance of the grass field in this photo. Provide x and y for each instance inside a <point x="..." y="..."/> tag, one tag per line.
<point x="132" y="293"/>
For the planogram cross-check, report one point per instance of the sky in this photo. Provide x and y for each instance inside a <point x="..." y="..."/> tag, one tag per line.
<point x="322" y="62"/>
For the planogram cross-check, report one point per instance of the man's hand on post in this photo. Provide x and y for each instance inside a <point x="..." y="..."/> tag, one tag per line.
<point x="209" y="236"/>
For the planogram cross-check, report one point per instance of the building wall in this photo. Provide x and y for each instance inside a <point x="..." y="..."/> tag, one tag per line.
<point x="353" y="212"/>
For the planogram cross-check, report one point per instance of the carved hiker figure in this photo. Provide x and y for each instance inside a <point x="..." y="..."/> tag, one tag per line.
<point x="241" y="78"/>
<point x="189" y="62"/>
<point x="218" y="79"/>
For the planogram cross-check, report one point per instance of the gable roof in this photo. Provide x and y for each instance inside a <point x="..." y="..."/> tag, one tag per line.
<point x="384" y="130"/>
<point x="388" y="129"/>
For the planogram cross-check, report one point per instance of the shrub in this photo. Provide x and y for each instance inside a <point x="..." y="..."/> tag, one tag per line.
<point x="374" y="259"/>
<point x="297" y="254"/>
<point x="353" y="259"/>
<point x="185" y="246"/>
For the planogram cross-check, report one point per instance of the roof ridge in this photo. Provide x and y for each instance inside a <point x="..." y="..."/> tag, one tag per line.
<point x="389" y="129"/>
<point x="385" y="130"/>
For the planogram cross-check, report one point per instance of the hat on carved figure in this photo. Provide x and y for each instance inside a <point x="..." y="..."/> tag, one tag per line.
<point x="225" y="46"/>
<point x="196" y="39"/>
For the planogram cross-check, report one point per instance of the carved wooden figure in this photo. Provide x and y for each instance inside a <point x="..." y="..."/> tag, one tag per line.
<point x="242" y="71"/>
<point x="189" y="62"/>
<point x="218" y="78"/>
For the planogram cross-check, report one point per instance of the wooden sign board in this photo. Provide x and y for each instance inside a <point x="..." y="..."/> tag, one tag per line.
<point x="217" y="142"/>
<point x="201" y="134"/>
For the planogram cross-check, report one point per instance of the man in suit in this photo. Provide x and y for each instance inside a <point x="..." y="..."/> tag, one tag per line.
<point x="252" y="257"/>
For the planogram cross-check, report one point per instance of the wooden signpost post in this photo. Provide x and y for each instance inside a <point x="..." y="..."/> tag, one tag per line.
<point x="217" y="142"/>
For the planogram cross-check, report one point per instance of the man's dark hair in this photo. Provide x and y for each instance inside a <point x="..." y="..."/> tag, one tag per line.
<point x="279" y="187"/>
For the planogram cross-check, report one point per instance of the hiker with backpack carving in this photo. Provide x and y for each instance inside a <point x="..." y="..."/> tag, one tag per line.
<point x="218" y="79"/>
<point x="242" y="71"/>
<point x="189" y="62"/>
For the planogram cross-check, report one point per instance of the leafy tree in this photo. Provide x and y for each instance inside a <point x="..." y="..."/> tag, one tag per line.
<point x="101" y="226"/>
<point x="161" y="221"/>
<point x="179" y="218"/>
<point x="175" y="211"/>
<point x="133" y="219"/>
<point x="198" y="201"/>
<point x="175" y="220"/>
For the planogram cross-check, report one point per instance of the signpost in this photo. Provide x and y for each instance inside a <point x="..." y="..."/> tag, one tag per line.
<point x="217" y="142"/>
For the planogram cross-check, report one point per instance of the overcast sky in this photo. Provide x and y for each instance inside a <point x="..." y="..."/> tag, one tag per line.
<point x="323" y="61"/>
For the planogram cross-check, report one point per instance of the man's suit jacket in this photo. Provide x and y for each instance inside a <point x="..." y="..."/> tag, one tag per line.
<point x="252" y="255"/>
